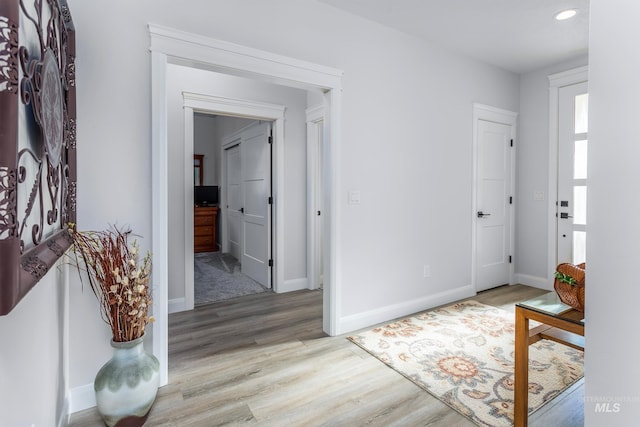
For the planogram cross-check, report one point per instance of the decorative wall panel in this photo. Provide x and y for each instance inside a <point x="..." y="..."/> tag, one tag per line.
<point x="37" y="141"/>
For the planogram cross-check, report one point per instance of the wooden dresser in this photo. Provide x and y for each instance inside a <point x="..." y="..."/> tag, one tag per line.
<point x="204" y="229"/>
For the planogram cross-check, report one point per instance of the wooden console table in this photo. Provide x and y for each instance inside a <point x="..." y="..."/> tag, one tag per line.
<point x="560" y="323"/>
<point x="204" y="229"/>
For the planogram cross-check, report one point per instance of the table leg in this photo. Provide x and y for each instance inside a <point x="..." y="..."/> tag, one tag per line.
<point x="521" y="374"/>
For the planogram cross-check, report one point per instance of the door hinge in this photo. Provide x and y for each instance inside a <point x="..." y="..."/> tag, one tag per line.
<point x="270" y="200"/>
<point x="270" y="263"/>
<point x="510" y="200"/>
<point x="509" y="259"/>
<point x="270" y="139"/>
<point x="511" y="144"/>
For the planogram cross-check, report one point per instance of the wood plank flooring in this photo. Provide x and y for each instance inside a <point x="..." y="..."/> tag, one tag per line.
<point x="264" y="360"/>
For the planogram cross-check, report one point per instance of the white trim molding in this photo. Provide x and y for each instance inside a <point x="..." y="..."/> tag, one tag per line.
<point x="172" y="46"/>
<point x="176" y="304"/>
<point x="217" y="55"/>
<point x="367" y="318"/>
<point x="315" y="121"/>
<point x="569" y="77"/>
<point x="294" y="285"/>
<point x="232" y="106"/>
<point x="534" y="281"/>
<point x="556" y="81"/>
<point x="188" y="202"/>
<point x="81" y="398"/>
<point x="160" y="212"/>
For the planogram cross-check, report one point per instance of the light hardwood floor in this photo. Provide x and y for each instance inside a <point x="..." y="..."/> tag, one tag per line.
<point x="264" y="360"/>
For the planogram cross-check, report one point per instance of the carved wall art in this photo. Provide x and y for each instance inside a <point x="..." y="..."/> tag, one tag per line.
<point x="37" y="142"/>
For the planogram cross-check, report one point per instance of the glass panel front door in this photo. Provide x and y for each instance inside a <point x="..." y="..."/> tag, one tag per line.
<point x="572" y="173"/>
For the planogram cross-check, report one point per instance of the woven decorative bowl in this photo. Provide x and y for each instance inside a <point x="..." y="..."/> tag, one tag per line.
<point x="569" y="284"/>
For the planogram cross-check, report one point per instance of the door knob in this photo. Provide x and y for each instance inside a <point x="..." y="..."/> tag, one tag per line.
<point x="482" y="214"/>
<point x="565" y="215"/>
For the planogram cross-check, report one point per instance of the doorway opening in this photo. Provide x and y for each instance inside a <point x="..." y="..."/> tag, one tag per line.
<point x="169" y="46"/>
<point x="245" y="135"/>
<point x="237" y="164"/>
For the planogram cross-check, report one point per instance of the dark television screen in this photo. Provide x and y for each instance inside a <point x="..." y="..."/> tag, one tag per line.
<point x="206" y="195"/>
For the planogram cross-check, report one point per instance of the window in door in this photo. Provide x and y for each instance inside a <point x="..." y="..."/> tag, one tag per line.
<point x="572" y="174"/>
<point x="580" y="178"/>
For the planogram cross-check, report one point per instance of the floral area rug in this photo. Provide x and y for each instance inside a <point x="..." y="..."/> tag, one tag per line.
<point x="463" y="354"/>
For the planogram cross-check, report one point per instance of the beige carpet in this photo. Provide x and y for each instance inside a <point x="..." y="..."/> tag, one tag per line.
<point x="463" y="355"/>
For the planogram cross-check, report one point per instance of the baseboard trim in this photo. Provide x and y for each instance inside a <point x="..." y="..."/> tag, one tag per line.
<point x="536" y="282"/>
<point x="81" y="398"/>
<point x="293" y="285"/>
<point x="383" y="314"/>
<point x="176" y="305"/>
<point x="63" y="418"/>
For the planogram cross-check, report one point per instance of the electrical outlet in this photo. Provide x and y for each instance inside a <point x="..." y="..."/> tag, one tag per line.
<point x="427" y="271"/>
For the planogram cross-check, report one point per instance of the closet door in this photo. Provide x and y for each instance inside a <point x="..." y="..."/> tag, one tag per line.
<point x="256" y="210"/>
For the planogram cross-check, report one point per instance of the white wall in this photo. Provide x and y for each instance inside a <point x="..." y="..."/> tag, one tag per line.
<point x="406" y="145"/>
<point x="532" y="169"/>
<point x="406" y="131"/>
<point x="33" y="378"/>
<point x="614" y="202"/>
<point x="204" y="142"/>
<point x="208" y="132"/>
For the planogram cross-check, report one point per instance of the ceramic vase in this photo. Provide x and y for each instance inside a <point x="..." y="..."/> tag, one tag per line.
<point x="126" y="386"/>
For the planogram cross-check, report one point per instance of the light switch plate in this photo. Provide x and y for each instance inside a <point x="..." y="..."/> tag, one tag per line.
<point x="354" y="197"/>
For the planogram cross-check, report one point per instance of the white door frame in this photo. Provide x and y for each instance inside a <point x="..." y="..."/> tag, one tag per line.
<point x="315" y="119"/>
<point x="505" y="117"/>
<point x="557" y="81"/>
<point x="200" y="103"/>
<point x="171" y="46"/>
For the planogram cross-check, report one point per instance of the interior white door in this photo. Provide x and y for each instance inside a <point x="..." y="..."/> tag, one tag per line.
<point x="493" y="203"/>
<point x="571" y="212"/>
<point x="255" y="155"/>
<point x="234" y="200"/>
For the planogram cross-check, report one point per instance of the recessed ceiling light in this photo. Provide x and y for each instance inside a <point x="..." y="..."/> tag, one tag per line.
<point x="566" y="14"/>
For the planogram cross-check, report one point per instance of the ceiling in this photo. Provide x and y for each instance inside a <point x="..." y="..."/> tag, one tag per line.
<point x="516" y="35"/>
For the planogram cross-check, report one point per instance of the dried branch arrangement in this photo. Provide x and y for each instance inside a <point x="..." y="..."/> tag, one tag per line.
<point x="118" y="278"/>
